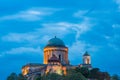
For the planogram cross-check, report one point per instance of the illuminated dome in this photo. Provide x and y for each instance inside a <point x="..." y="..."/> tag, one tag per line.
<point x="55" y="42"/>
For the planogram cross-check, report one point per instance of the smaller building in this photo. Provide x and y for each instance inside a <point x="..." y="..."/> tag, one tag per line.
<point x="86" y="60"/>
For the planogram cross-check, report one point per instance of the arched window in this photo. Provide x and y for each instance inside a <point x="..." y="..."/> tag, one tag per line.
<point x="60" y="57"/>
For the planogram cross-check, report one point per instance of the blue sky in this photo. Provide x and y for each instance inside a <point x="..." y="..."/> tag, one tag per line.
<point x="83" y="25"/>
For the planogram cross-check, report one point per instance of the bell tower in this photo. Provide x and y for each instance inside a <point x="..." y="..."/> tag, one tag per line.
<point x="86" y="58"/>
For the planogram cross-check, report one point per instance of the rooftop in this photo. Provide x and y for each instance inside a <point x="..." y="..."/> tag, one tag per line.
<point x="86" y="54"/>
<point x="55" y="42"/>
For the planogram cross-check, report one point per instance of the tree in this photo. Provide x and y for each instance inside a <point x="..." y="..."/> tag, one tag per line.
<point x="73" y="75"/>
<point x="13" y="76"/>
<point x="115" y="77"/>
<point x="21" y="77"/>
<point x="94" y="73"/>
<point x="38" y="78"/>
<point x="52" y="76"/>
<point x="84" y="71"/>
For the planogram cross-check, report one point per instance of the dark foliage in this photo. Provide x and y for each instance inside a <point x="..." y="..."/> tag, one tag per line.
<point x="14" y="76"/>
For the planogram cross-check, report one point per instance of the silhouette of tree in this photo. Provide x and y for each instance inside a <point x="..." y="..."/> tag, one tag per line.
<point x="115" y="77"/>
<point x="84" y="71"/>
<point x="13" y="76"/>
<point x="21" y="77"/>
<point x="72" y="74"/>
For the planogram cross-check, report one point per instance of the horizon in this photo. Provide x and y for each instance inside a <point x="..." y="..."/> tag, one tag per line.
<point x="26" y="27"/>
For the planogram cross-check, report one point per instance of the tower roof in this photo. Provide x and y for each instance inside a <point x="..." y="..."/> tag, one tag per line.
<point x="86" y="54"/>
<point x="55" y="42"/>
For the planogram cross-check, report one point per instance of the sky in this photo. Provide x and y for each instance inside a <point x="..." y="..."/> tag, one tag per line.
<point x="83" y="25"/>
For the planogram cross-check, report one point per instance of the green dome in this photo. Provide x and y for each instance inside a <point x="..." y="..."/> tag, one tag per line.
<point x="55" y="42"/>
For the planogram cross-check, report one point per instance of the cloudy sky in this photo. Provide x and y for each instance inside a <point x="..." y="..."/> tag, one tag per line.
<point x="83" y="25"/>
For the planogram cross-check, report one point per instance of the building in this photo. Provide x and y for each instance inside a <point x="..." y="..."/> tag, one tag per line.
<point x="55" y="60"/>
<point x="86" y="60"/>
<point x="56" y="47"/>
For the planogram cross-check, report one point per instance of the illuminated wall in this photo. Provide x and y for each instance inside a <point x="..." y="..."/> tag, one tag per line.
<point x="60" y="52"/>
<point x="25" y="70"/>
<point x="59" y="69"/>
<point x="86" y="60"/>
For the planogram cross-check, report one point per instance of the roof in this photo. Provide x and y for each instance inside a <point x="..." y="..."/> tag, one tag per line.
<point x="34" y="65"/>
<point x="86" y="54"/>
<point x="53" y="59"/>
<point x="55" y="42"/>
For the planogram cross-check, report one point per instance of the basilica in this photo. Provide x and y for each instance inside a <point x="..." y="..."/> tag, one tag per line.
<point x="55" y="60"/>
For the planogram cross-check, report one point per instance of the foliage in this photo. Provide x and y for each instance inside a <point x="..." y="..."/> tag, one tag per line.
<point x="51" y="76"/>
<point x="38" y="78"/>
<point x="14" y="76"/>
<point x="72" y="74"/>
<point x="115" y="77"/>
<point x="95" y="73"/>
<point x="84" y="71"/>
<point x="21" y="77"/>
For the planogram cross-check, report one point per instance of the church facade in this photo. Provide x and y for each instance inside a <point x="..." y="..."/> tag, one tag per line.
<point x="55" y="60"/>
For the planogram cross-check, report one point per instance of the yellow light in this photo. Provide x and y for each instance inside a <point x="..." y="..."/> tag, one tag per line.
<point x="59" y="71"/>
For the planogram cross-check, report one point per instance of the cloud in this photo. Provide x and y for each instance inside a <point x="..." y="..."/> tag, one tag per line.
<point x="115" y="26"/>
<point x="50" y="29"/>
<point x="32" y="14"/>
<point x="107" y="37"/>
<point x="66" y="27"/>
<point x="112" y="40"/>
<point x="118" y="5"/>
<point x="23" y="50"/>
<point x="78" y="48"/>
<point x="0" y="55"/>
<point x="17" y="37"/>
<point x="80" y="13"/>
<point x="114" y="46"/>
<point x="30" y="38"/>
<point x="118" y="2"/>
